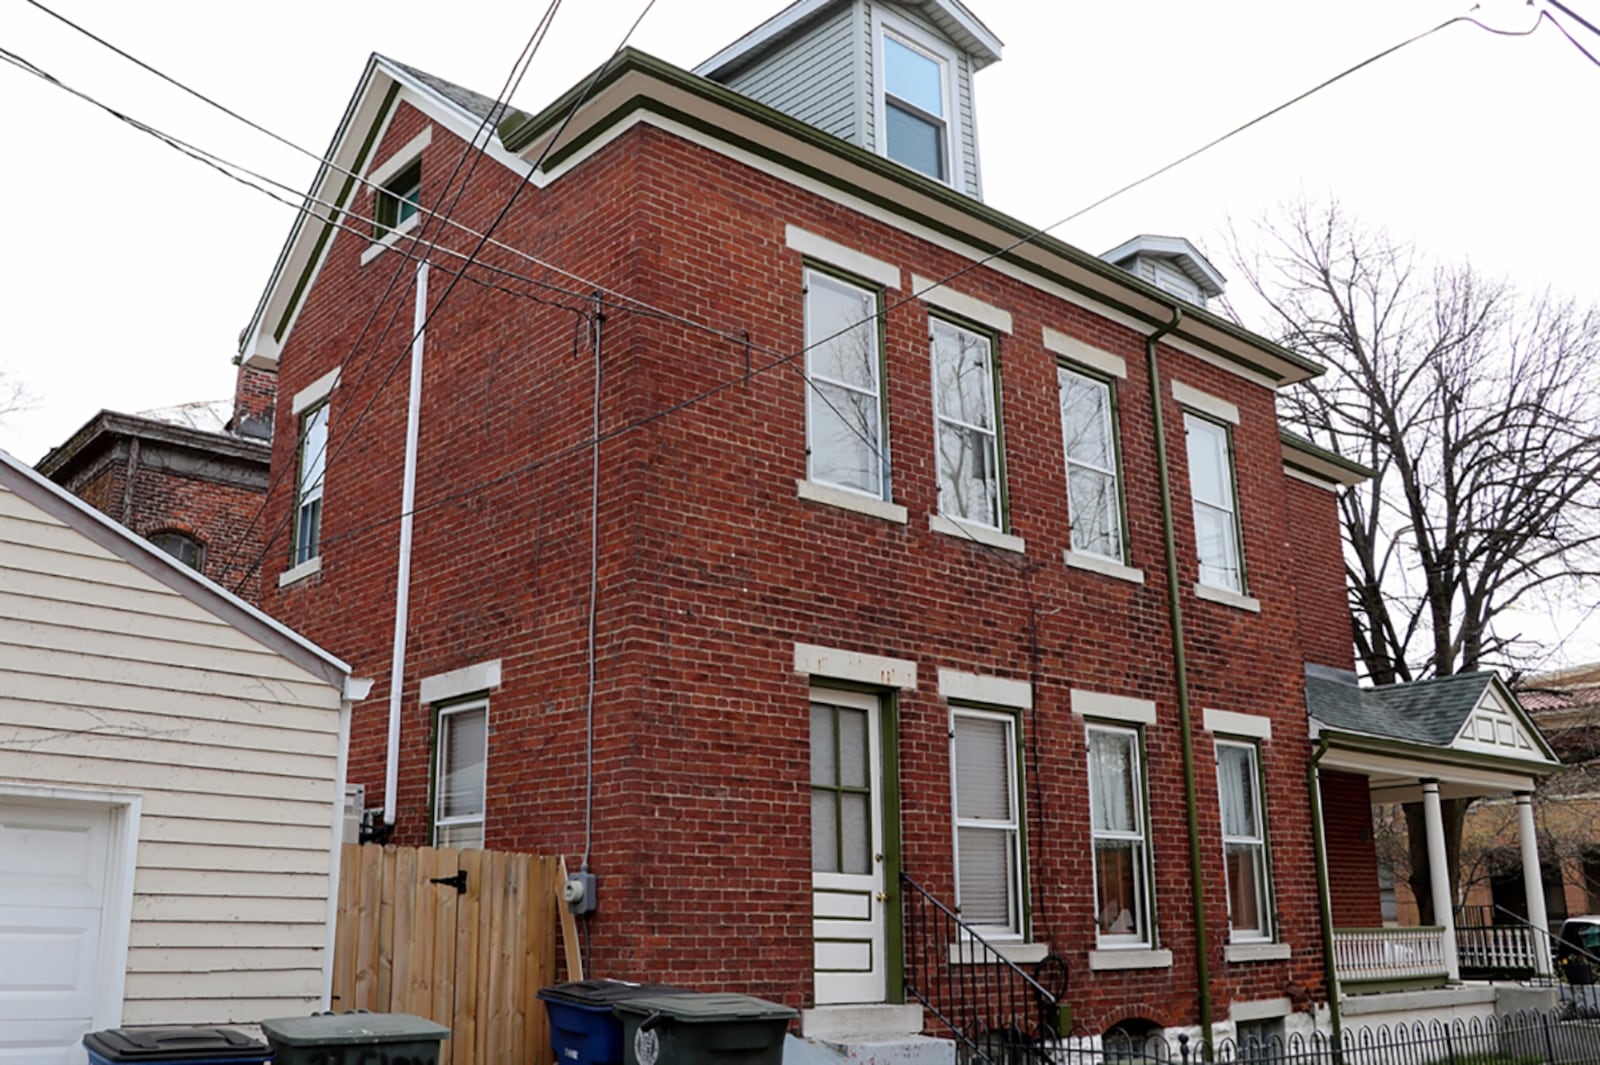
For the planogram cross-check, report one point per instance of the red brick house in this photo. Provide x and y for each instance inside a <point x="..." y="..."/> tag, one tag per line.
<point x="793" y="541"/>
<point x="192" y="483"/>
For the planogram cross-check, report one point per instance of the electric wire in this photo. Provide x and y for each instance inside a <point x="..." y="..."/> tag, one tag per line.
<point x="891" y="306"/>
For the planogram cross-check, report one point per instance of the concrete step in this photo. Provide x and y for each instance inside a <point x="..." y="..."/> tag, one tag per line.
<point x="875" y="1035"/>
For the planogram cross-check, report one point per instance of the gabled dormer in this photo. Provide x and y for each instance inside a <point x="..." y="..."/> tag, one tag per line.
<point x="1172" y="264"/>
<point x="894" y="78"/>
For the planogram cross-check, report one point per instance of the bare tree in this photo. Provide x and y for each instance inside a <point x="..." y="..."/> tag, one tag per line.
<point x="1479" y="409"/>
<point x="14" y="395"/>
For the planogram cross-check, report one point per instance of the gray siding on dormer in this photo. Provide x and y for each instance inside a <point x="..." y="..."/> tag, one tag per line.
<point x="812" y="77"/>
<point x="965" y="122"/>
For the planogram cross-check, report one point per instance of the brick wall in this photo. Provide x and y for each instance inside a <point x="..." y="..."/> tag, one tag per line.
<point x="1325" y="626"/>
<point x="711" y="569"/>
<point x="1352" y="858"/>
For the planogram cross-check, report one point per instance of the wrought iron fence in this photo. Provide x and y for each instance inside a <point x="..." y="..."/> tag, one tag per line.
<point x="997" y="1012"/>
<point x="1527" y="1038"/>
<point x="1495" y="945"/>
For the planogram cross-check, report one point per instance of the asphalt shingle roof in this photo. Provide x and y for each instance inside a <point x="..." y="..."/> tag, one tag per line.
<point x="1426" y="711"/>
<point x="479" y="105"/>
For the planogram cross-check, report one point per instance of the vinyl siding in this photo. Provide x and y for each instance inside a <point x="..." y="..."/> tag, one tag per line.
<point x="111" y="680"/>
<point x="812" y="77"/>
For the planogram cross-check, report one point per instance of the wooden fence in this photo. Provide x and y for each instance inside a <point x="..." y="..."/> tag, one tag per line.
<point x="409" y="942"/>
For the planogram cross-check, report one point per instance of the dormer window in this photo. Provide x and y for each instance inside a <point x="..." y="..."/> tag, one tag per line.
<point x="916" y="130"/>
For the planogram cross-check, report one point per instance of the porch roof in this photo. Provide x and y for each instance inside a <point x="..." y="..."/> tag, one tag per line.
<point x="1466" y="728"/>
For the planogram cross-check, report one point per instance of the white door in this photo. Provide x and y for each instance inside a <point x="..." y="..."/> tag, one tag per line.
<point x="847" y="868"/>
<point x="53" y="874"/>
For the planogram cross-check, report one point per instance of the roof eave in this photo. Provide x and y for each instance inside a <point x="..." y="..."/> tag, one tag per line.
<point x="1315" y="461"/>
<point x="859" y="172"/>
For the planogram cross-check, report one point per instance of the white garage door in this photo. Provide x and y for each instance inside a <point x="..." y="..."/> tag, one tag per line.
<point x="53" y="872"/>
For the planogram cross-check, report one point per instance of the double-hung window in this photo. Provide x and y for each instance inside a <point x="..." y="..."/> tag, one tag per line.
<point x="1216" y="512"/>
<point x="988" y="824"/>
<point x="1117" y="825"/>
<point x="1088" y="432"/>
<point x="845" y="438"/>
<point x="461" y="760"/>
<point x="916" y="123"/>
<point x="398" y="199"/>
<point x="308" y="491"/>
<point x="1244" y="841"/>
<point x="967" y="424"/>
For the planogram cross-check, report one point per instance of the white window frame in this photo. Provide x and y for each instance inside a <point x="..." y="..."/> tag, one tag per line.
<point x="1220" y="432"/>
<point x="993" y="455"/>
<point x="813" y="276"/>
<point x="1108" y="385"/>
<point x="303" y="551"/>
<point x="925" y="44"/>
<point x="1016" y="874"/>
<point x="441" y="758"/>
<point x="1141" y="907"/>
<point x="1257" y="841"/>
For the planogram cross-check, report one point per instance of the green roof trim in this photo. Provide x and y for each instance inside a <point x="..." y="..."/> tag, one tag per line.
<point x="1320" y="455"/>
<point x="519" y="130"/>
<point x="332" y="221"/>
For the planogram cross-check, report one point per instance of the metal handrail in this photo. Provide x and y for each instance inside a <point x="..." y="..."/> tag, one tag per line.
<point x="1553" y="943"/>
<point x="994" y="1008"/>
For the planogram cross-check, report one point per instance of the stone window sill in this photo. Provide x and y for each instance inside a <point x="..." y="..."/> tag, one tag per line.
<point x="845" y="499"/>
<point x="1227" y="598"/>
<point x="1137" y="958"/>
<point x="1016" y="952"/>
<point x="1237" y="952"/>
<point x="298" y="573"/>
<point x="983" y="534"/>
<point x="1103" y="566"/>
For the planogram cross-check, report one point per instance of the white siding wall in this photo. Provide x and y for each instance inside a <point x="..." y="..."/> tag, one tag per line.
<point x="111" y="680"/>
<point x="813" y="78"/>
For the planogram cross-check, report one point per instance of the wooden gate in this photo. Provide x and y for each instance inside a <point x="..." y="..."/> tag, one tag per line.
<point x="408" y="941"/>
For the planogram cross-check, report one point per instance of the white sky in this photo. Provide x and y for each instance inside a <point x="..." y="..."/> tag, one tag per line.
<point x="130" y="269"/>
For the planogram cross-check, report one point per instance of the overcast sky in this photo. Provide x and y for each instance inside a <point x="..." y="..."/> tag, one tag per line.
<point x="130" y="269"/>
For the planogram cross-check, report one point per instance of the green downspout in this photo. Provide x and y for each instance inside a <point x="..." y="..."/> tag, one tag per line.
<point x="1330" y="973"/>
<point x="1181" y="670"/>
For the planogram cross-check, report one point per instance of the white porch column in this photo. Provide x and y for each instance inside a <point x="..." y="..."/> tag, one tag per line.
<point x="1439" y="876"/>
<point x="1533" y="881"/>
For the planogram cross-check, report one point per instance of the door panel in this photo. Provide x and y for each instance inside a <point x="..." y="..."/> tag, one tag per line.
<point x="53" y="875"/>
<point x="847" y="847"/>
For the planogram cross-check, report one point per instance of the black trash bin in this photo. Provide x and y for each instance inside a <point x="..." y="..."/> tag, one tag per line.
<point x="712" y="1028"/>
<point x="177" y="1046"/>
<point x="583" y="1030"/>
<point x="355" y="1038"/>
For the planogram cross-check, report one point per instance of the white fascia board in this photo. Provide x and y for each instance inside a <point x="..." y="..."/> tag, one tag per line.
<point x="940" y="295"/>
<point x="1306" y="478"/>
<point x="260" y="348"/>
<point x="736" y="126"/>
<point x="842" y="664"/>
<point x="981" y="688"/>
<point x="155" y="563"/>
<point x="756" y="39"/>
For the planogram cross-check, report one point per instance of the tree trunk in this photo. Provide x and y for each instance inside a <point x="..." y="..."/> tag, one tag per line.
<point x="1454" y="814"/>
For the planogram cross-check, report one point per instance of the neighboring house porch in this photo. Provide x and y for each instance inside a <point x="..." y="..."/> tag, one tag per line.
<point x="1454" y="737"/>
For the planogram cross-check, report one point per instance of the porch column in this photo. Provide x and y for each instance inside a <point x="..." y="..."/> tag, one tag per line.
<point x="1439" y="876"/>
<point x="1533" y="882"/>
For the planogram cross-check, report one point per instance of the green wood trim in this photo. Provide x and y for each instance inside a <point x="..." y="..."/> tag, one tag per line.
<point x="894" y="909"/>
<point x="1373" y="987"/>
<point x="1360" y="743"/>
<point x="519" y="130"/>
<point x="332" y="222"/>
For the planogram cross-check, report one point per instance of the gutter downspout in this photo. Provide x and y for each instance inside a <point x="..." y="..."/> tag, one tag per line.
<point x="402" y="588"/>
<point x="1181" y="671"/>
<point x="1319" y="843"/>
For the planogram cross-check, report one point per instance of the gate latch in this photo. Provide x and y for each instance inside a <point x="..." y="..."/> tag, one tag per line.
<point x="459" y="881"/>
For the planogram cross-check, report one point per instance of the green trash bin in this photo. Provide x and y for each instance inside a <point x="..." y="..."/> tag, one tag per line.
<point x="355" y="1038"/>
<point x="719" y="1028"/>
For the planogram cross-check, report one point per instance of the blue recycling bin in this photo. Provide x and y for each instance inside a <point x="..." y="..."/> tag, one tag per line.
<point x="583" y="1029"/>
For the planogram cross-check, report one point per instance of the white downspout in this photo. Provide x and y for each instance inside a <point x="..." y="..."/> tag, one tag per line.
<point x="402" y="587"/>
